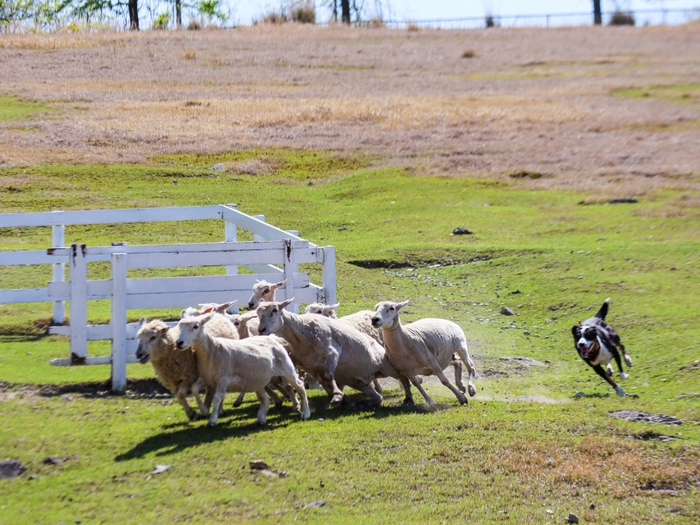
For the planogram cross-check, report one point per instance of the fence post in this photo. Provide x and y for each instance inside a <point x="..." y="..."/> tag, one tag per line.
<point x="290" y="268"/>
<point x="231" y="235"/>
<point x="118" y="322"/>
<point x="78" y="303"/>
<point x="59" y="272"/>
<point x="328" y="274"/>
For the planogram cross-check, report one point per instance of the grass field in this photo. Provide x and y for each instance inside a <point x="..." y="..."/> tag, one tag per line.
<point x="545" y="243"/>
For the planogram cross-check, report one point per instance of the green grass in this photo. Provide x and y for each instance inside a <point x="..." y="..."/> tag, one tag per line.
<point x="13" y="109"/>
<point x="522" y="446"/>
<point x="682" y="93"/>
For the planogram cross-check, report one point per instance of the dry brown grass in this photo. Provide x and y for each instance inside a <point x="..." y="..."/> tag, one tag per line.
<point x="531" y="99"/>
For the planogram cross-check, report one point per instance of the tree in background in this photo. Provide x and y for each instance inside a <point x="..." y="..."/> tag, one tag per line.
<point x="345" y="11"/>
<point x="597" y="14"/>
<point x="211" y="9"/>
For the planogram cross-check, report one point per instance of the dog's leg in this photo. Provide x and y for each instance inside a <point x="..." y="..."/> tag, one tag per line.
<point x="602" y="373"/>
<point x="616" y="356"/>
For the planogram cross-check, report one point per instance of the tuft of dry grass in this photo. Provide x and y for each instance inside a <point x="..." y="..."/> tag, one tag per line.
<point x="468" y="53"/>
<point x="189" y="54"/>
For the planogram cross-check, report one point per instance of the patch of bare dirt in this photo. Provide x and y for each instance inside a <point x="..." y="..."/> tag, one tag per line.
<point x="538" y="107"/>
<point x="135" y="389"/>
<point x="645" y="417"/>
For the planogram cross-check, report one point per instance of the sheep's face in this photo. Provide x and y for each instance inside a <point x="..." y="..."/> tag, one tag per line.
<point x="149" y="337"/>
<point x="270" y="319"/>
<point x="386" y="314"/>
<point x="322" y="309"/>
<point x="191" y="330"/>
<point x="263" y="292"/>
<point x="206" y="308"/>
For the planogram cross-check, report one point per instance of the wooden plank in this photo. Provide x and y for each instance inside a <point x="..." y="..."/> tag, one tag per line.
<point x="118" y="322"/>
<point x="78" y="302"/>
<point x="66" y="361"/>
<point x="26" y="295"/>
<point x="254" y="225"/>
<point x="328" y="275"/>
<point x="183" y="299"/>
<point x="26" y="257"/>
<point x="58" y="272"/>
<point x="183" y="213"/>
<point x="221" y="258"/>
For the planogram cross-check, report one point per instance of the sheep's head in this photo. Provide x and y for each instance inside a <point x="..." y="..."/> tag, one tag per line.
<point x="386" y="314"/>
<point x="328" y="310"/>
<point x="264" y="291"/>
<point x="191" y="330"/>
<point x="270" y="319"/>
<point x="150" y="336"/>
<point x="206" y="308"/>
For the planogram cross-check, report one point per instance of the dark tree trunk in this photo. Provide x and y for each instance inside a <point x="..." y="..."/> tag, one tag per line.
<point x="345" y="6"/>
<point x="335" y="10"/>
<point x="178" y="13"/>
<point x="597" y="14"/>
<point x="134" y="15"/>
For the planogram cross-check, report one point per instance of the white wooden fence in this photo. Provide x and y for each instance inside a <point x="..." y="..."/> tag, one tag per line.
<point x="273" y="251"/>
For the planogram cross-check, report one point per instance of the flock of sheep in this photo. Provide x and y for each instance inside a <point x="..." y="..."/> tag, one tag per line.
<point x="269" y="350"/>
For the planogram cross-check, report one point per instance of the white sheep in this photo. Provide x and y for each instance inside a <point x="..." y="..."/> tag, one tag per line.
<point x="246" y="365"/>
<point x="424" y="347"/>
<point x="176" y="371"/>
<point x="326" y="310"/>
<point x="334" y="353"/>
<point x="361" y="320"/>
<point x="263" y="291"/>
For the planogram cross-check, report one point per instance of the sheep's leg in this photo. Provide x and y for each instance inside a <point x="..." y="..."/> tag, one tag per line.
<point x="298" y="385"/>
<point x="181" y="396"/>
<point x="377" y="386"/>
<point x="203" y="408"/>
<point x="273" y="395"/>
<point x="332" y="358"/>
<point x="264" y="405"/>
<point x="375" y="398"/>
<point x="464" y="355"/>
<point x="457" y="365"/>
<point x="288" y="390"/>
<point x="443" y="379"/>
<point x="209" y="396"/>
<point x="406" y="384"/>
<point x="239" y="400"/>
<point x="218" y="400"/>
<point x="417" y="384"/>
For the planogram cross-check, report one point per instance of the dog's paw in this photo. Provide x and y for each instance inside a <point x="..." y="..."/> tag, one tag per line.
<point x="619" y="391"/>
<point x="628" y="360"/>
<point x="624" y="376"/>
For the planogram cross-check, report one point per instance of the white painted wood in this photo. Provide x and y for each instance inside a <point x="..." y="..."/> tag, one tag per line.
<point x="78" y="302"/>
<point x="65" y="361"/>
<point x="290" y="268"/>
<point x="25" y="295"/>
<point x="26" y="257"/>
<point x="254" y="225"/>
<point x="328" y="275"/>
<point x="103" y="332"/>
<point x="58" y="272"/>
<point x="118" y="322"/>
<point x="185" y="213"/>
<point x="231" y="235"/>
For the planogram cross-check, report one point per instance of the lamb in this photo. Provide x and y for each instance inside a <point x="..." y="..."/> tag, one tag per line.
<point x="176" y="371"/>
<point x="237" y="365"/>
<point x="424" y="347"/>
<point x="264" y="292"/>
<point x="334" y="353"/>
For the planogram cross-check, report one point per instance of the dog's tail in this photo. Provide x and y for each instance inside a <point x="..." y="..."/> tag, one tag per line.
<point x="603" y="310"/>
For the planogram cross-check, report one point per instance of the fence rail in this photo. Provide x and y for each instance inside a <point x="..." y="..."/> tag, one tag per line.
<point x="273" y="251"/>
<point x="641" y="16"/>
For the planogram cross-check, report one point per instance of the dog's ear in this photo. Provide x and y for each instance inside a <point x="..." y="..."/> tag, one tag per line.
<point x="576" y="331"/>
<point x="580" y="323"/>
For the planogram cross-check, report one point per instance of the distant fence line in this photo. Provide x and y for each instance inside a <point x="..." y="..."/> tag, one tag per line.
<point x="641" y="16"/>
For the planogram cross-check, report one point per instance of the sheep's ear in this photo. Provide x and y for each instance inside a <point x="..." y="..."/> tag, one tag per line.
<point x="286" y="303"/>
<point x="279" y="284"/>
<point x="183" y="314"/>
<point x="142" y="322"/>
<point x="206" y="310"/>
<point x="334" y="306"/>
<point x="221" y="308"/>
<point x="401" y="305"/>
<point x="206" y="318"/>
<point x="164" y="330"/>
<point x="376" y="306"/>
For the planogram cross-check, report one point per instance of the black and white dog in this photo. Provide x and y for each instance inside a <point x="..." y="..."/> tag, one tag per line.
<point x="597" y="343"/>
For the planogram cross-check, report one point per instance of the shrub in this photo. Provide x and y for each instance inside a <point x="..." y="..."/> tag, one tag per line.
<point x="468" y="53"/>
<point x="490" y="21"/>
<point x="194" y="26"/>
<point x="161" y="22"/>
<point x="304" y="14"/>
<point x="413" y="27"/>
<point x="622" y="19"/>
<point x="274" y="18"/>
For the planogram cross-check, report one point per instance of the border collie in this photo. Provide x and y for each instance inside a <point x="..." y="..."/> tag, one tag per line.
<point x="598" y="343"/>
